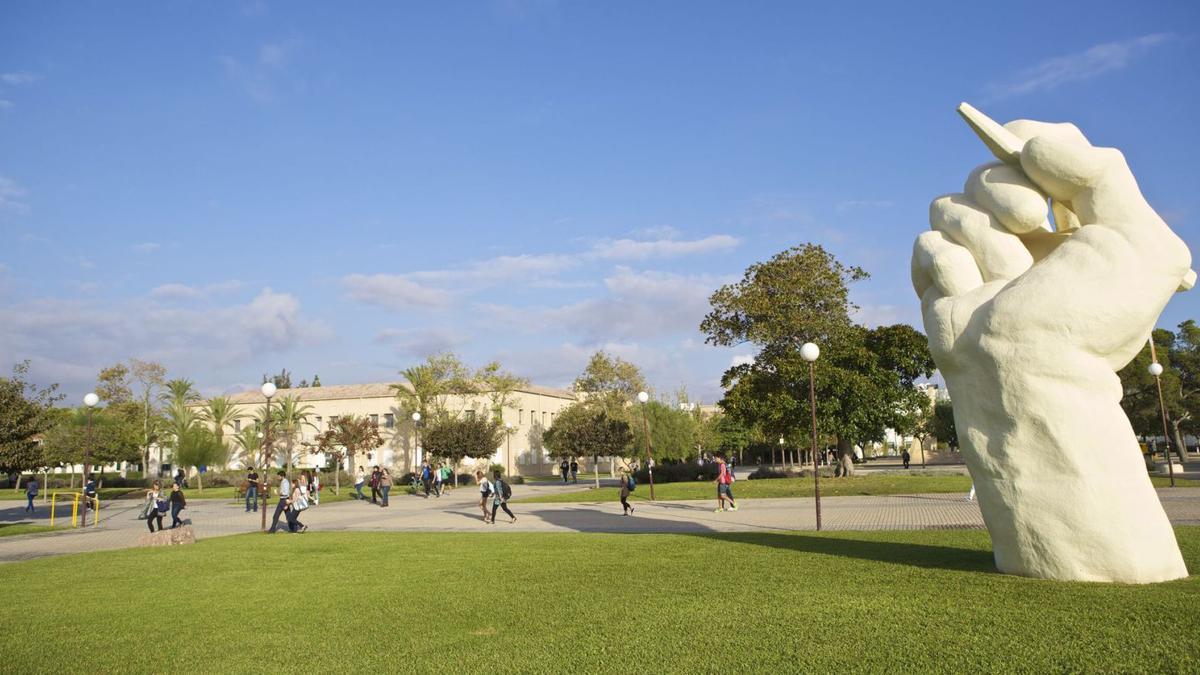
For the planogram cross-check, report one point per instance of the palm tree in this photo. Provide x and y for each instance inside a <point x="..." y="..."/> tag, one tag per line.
<point x="180" y="390"/>
<point x="290" y="418"/>
<point x="220" y="412"/>
<point x="249" y="440"/>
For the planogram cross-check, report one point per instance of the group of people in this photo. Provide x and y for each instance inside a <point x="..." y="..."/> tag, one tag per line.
<point x="294" y="498"/>
<point x="570" y="468"/>
<point x="157" y="505"/>
<point x="498" y="492"/>
<point x="433" y="478"/>
<point x="381" y="485"/>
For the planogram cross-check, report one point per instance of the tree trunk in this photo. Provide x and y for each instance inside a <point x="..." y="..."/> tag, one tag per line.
<point x="845" y="451"/>
<point x="1180" y="448"/>
<point x="199" y="482"/>
<point x="596" y="470"/>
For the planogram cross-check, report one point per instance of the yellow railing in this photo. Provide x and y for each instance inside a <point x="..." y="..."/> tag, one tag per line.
<point x="76" y="498"/>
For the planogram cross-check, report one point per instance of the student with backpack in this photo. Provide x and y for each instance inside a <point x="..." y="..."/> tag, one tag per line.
<point x="564" y="469"/>
<point x="725" y="481"/>
<point x="156" y="506"/>
<point x="485" y="491"/>
<point x="501" y="493"/>
<point x="628" y="484"/>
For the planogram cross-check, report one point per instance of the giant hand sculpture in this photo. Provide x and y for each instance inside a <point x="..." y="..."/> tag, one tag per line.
<point x="1028" y="324"/>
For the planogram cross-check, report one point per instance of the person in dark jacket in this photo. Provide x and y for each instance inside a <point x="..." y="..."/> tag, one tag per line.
<point x="178" y="503"/>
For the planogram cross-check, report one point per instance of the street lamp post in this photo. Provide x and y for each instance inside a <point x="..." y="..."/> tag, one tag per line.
<point x="1156" y="370"/>
<point x="268" y="390"/>
<point x="90" y="400"/>
<point x="643" y="397"/>
<point x="809" y="352"/>
<point x="416" y="418"/>
<point x="781" y="447"/>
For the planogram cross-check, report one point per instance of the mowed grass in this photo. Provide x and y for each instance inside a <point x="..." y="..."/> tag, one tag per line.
<point x="13" y="529"/>
<point x="568" y="602"/>
<point x="870" y="484"/>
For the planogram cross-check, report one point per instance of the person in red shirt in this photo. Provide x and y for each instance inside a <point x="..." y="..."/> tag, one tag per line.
<point x="724" y="485"/>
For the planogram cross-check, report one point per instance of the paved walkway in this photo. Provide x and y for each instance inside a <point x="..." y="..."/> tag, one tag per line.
<point x="458" y="512"/>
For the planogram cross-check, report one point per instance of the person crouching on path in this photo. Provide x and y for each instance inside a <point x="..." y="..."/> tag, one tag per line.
<point x="178" y="503"/>
<point x="626" y="489"/>
<point x="724" y="485"/>
<point x="485" y="491"/>
<point x="285" y="493"/>
<point x="385" y="485"/>
<point x="499" y="501"/>
<point x="359" y="479"/>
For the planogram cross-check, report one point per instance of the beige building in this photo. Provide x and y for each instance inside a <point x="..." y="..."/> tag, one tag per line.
<point x="529" y="412"/>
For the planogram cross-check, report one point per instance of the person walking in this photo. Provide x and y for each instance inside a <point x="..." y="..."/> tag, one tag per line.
<point x="315" y="490"/>
<point x="574" y="471"/>
<point x="180" y="479"/>
<point x="359" y="479"/>
<point x="627" y="487"/>
<point x="500" y="494"/>
<point x="906" y="457"/>
<point x="285" y="493"/>
<point x="31" y="492"/>
<point x="971" y="494"/>
<point x="426" y="477"/>
<point x="564" y="469"/>
<point x="89" y="497"/>
<point x="251" y="490"/>
<point x="437" y="480"/>
<point x="725" y="481"/>
<point x="385" y="485"/>
<point x="447" y="477"/>
<point x="375" y="484"/>
<point x="178" y="503"/>
<point x="156" y="506"/>
<point x="485" y="491"/>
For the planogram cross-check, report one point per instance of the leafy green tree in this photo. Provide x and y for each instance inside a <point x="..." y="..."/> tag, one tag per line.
<point x="289" y="418"/>
<point x="220" y="412"/>
<point x="114" y="436"/>
<point x="151" y="377"/>
<point x="499" y="385"/>
<point x="588" y="430"/>
<point x="198" y="447"/>
<point x="455" y="438"/>
<point x="112" y="384"/>
<point x="348" y="436"/>
<point x="428" y="386"/>
<point x="1179" y="354"/>
<point x="250" y="441"/>
<point x="25" y="412"/>
<point x="610" y="381"/>
<point x="864" y="378"/>
<point x="943" y="428"/>
<point x="672" y="431"/>
<point x="281" y="381"/>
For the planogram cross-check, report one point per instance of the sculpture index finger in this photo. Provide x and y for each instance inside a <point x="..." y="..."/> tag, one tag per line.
<point x="1004" y="144"/>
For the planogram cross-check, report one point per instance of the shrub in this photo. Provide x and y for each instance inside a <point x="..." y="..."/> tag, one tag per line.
<point x="678" y="472"/>
<point x="767" y="472"/>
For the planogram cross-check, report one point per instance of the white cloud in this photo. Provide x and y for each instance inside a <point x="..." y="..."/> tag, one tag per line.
<point x="421" y="342"/>
<point x="173" y="291"/>
<point x="1085" y="65"/>
<point x="70" y="340"/>
<point x="18" y="78"/>
<point x="741" y="360"/>
<point x="259" y="76"/>
<point x="11" y="194"/>
<point x="147" y="247"/>
<point x="394" y="291"/>
<point x="633" y="249"/>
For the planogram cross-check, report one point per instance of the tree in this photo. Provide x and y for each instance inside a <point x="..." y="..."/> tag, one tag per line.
<point x="114" y="436"/>
<point x="25" y="412"/>
<point x="500" y="385"/>
<point x="611" y="381"/>
<point x="197" y="446"/>
<point x="942" y="423"/>
<point x="289" y="419"/>
<point x="588" y="430"/>
<point x="455" y="438"/>
<point x="281" y="381"/>
<point x="316" y="381"/>
<point x="1179" y="355"/>
<point x="112" y="384"/>
<point x="428" y="386"/>
<point x="220" y="412"/>
<point x="150" y="376"/>
<point x="250" y="440"/>
<point x="347" y="436"/>
<point x="672" y="431"/>
<point x="865" y="377"/>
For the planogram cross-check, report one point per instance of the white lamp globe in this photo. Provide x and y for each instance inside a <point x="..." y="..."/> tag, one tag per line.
<point x="643" y="396"/>
<point x="1156" y="369"/>
<point x="781" y="440"/>
<point x="268" y="389"/>
<point x="90" y="400"/>
<point x="809" y="351"/>
<point x="416" y="417"/>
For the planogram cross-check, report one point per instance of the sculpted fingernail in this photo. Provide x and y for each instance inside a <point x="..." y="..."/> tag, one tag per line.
<point x="1004" y="144"/>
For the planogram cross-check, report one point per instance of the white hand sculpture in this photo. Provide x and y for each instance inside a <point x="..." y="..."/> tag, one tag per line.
<point x="1028" y="327"/>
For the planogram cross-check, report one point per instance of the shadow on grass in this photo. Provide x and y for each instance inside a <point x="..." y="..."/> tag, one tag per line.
<point x="928" y="556"/>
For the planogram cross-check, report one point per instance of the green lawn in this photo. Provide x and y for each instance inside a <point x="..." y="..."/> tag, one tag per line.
<point x="873" y="484"/>
<point x="12" y="529"/>
<point x="105" y="493"/>
<point x="890" y="602"/>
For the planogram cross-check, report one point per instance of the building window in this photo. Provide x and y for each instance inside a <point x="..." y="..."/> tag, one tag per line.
<point x="237" y="425"/>
<point x="470" y="414"/>
<point x="318" y="425"/>
<point x="389" y="420"/>
<point x="332" y="420"/>
<point x="374" y="420"/>
<point x="520" y="416"/>
<point x="543" y="418"/>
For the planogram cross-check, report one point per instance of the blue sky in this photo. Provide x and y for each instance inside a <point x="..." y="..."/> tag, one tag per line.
<point x="234" y="188"/>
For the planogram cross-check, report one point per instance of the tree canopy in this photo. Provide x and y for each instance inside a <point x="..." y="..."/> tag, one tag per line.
<point x="25" y="412"/>
<point x="455" y="438"/>
<point x="588" y="430"/>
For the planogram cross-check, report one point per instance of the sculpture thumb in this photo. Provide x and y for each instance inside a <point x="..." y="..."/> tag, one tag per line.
<point x="1063" y="169"/>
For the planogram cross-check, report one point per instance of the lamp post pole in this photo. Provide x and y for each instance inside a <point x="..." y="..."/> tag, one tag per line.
<point x="1156" y="370"/>
<point x="268" y="390"/>
<point x="644" y="398"/>
<point x="416" y="418"/>
<point x="508" y="429"/>
<point x="781" y="446"/>
<point x="809" y="352"/>
<point x="90" y="400"/>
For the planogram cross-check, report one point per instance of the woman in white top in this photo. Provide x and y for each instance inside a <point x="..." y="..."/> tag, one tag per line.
<point x="359" y="479"/>
<point x="316" y="489"/>
<point x="485" y="491"/>
<point x="153" y="497"/>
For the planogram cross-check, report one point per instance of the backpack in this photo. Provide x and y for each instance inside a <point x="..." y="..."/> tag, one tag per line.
<point x="505" y="490"/>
